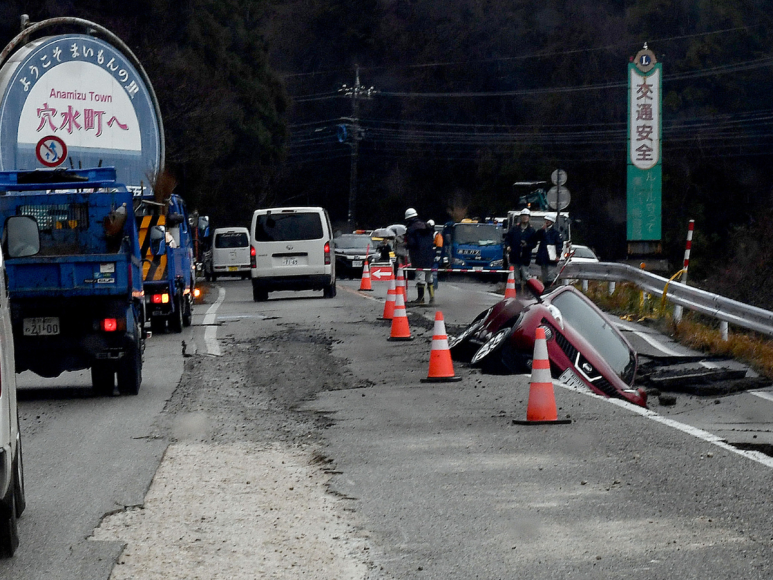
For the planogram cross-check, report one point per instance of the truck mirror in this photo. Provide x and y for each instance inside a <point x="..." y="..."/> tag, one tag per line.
<point x="158" y="240"/>
<point x="23" y="236"/>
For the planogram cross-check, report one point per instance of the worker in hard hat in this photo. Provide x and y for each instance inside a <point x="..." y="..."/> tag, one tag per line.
<point x="520" y="241"/>
<point x="549" y="250"/>
<point x="421" y="250"/>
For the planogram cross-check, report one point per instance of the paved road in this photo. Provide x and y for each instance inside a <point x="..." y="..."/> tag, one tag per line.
<point x="436" y="477"/>
<point x="85" y="457"/>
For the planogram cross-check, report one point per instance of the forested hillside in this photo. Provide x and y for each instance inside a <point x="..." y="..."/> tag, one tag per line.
<point x="470" y="96"/>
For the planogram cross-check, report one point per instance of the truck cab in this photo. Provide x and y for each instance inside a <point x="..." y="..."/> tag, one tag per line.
<point x="473" y="245"/>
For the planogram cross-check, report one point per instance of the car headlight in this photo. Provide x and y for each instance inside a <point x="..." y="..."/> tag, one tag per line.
<point x="556" y="314"/>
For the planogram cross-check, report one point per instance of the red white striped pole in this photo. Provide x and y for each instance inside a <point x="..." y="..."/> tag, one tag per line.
<point x="690" y="228"/>
<point x="685" y="266"/>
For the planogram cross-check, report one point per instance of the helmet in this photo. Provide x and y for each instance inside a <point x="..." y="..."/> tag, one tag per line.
<point x="525" y="211"/>
<point x="431" y="223"/>
<point x="550" y="219"/>
<point x="410" y="213"/>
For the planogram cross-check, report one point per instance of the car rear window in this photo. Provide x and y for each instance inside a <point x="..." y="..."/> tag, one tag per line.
<point x="232" y="240"/>
<point x="283" y="227"/>
<point x="598" y="332"/>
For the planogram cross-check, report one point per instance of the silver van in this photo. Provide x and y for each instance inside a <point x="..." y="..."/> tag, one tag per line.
<point x="12" y="500"/>
<point x="230" y="254"/>
<point x="291" y="249"/>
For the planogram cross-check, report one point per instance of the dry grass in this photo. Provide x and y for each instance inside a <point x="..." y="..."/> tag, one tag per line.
<point x="695" y="331"/>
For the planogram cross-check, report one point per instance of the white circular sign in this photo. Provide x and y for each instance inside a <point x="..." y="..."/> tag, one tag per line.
<point x="559" y="196"/>
<point x="558" y="177"/>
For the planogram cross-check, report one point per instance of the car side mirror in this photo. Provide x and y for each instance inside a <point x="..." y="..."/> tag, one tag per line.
<point x="158" y="240"/>
<point x="23" y="236"/>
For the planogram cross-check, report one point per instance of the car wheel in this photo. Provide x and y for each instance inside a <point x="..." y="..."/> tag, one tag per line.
<point x="176" y="318"/>
<point x="330" y="290"/>
<point x="460" y="346"/>
<point x="18" y="477"/>
<point x="9" y="532"/>
<point x="489" y="356"/>
<point x="213" y="276"/>
<point x="130" y="371"/>
<point x="102" y="378"/>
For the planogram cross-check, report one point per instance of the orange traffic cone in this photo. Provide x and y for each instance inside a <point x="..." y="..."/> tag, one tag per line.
<point x="441" y="369"/>
<point x="542" y="402"/>
<point x="400" y="328"/>
<point x="510" y="286"/>
<point x="401" y="283"/>
<point x="389" y="305"/>
<point x="365" y="281"/>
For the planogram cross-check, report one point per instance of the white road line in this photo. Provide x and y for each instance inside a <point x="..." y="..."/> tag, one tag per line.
<point x="210" y="332"/>
<point x="762" y="395"/>
<point x="761" y="458"/>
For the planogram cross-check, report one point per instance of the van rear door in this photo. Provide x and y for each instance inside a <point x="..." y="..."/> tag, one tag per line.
<point x="290" y="243"/>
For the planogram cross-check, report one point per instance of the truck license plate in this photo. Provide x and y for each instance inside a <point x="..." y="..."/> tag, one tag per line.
<point x="569" y="378"/>
<point x="290" y="262"/>
<point x="47" y="326"/>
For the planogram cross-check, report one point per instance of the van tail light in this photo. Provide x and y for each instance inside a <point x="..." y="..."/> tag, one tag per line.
<point x="327" y="253"/>
<point x="109" y="324"/>
<point x="253" y="262"/>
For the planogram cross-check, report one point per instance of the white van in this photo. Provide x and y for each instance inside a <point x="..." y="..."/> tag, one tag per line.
<point x="292" y="249"/>
<point x="12" y="500"/>
<point x="230" y="253"/>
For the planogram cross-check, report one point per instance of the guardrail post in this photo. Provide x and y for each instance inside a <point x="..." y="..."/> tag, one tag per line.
<point x="677" y="313"/>
<point x="585" y="286"/>
<point x="611" y="288"/>
<point x="723" y="329"/>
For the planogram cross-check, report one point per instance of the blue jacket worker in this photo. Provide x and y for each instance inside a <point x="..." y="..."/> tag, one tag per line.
<point x="421" y="249"/>
<point x="549" y="250"/>
<point x="520" y="241"/>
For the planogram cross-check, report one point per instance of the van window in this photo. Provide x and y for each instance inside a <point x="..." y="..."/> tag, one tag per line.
<point x="232" y="240"/>
<point x="284" y="227"/>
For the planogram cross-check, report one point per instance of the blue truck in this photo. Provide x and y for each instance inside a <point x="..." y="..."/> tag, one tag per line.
<point x="74" y="275"/>
<point x="168" y="268"/>
<point x="472" y="245"/>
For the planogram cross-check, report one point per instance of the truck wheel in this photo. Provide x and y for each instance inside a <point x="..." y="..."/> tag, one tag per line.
<point x="9" y="532"/>
<point x="130" y="372"/>
<point x="176" y="318"/>
<point x="187" y="312"/>
<point x="102" y="380"/>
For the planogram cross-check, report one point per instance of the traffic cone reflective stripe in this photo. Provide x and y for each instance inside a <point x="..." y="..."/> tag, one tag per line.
<point x="401" y="283"/>
<point x="542" y="402"/>
<point x="400" y="328"/>
<point x="365" y="281"/>
<point x="389" y="305"/>
<point x="510" y="286"/>
<point x="441" y="369"/>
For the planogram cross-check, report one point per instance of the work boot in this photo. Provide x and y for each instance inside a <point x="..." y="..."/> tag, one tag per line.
<point x="420" y="290"/>
<point x="431" y="289"/>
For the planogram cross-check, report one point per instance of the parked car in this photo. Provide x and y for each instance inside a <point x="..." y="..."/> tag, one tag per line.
<point x="230" y="254"/>
<point x="291" y="249"/>
<point x="12" y="499"/>
<point x="585" y="347"/>
<point x="351" y="251"/>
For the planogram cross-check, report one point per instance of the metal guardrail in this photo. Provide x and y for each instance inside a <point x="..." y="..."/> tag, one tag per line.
<point x="719" y="307"/>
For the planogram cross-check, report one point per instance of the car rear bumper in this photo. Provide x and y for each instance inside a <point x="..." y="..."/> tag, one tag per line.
<point x="307" y="282"/>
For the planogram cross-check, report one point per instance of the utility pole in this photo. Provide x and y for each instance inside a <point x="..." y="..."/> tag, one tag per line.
<point x="355" y="93"/>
